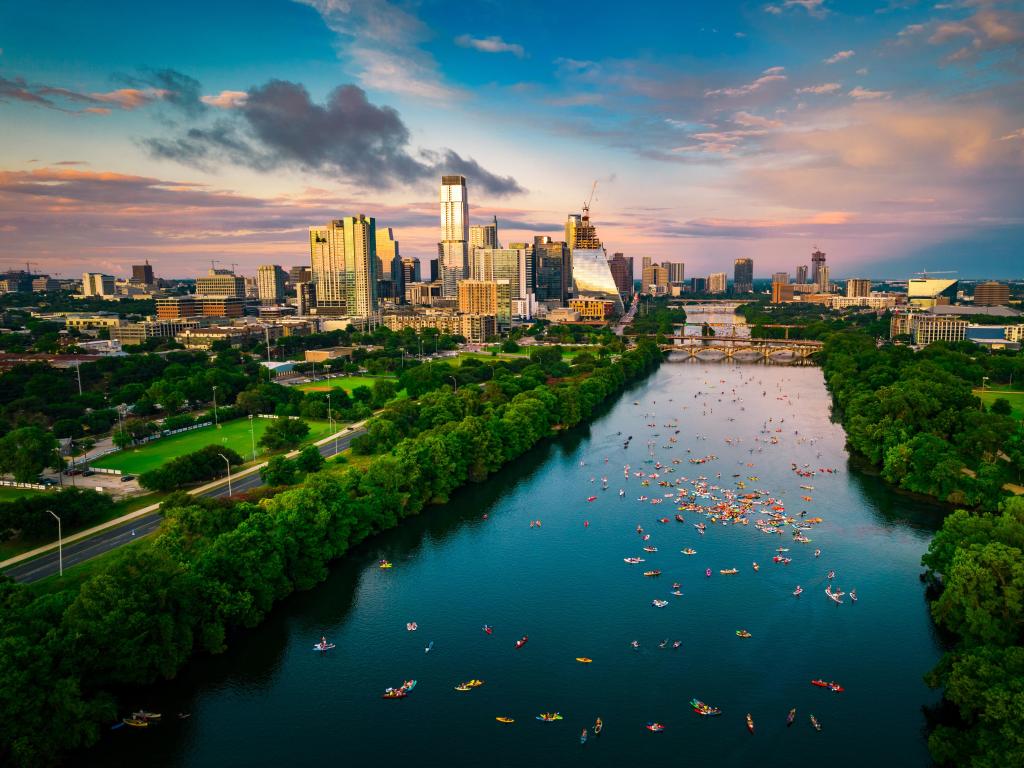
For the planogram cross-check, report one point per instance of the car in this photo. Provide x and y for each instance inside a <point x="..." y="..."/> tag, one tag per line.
<point x="126" y="478"/>
<point x="73" y="472"/>
<point x="87" y="473"/>
<point x="47" y="481"/>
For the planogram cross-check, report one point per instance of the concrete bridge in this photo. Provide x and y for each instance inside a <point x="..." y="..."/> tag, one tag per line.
<point x="732" y="346"/>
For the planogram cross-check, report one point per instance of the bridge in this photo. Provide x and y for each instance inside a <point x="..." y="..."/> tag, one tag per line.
<point x="730" y="346"/>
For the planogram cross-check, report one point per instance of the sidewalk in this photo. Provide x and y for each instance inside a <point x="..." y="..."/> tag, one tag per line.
<point x="154" y="507"/>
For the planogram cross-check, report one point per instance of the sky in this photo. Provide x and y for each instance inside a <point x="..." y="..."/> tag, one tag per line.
<point x="889" y="133"/>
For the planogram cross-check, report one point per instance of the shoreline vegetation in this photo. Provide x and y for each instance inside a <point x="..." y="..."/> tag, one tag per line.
<point x="221" y="565"/>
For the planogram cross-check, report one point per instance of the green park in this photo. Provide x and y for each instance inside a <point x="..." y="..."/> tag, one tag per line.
<point x="1014" y="397"/>
<point x="235" y="435"/>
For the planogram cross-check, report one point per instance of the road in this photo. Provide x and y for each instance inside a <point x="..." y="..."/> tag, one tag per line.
<point x="80" y="551"/>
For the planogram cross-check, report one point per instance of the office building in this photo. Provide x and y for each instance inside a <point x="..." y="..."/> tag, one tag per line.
<point x="718" y="282"/>
<point x="593" y="309"/>
<point x="780" y="277"/>
<point x="925" y="293"/>
<point x="390" y="270"/>
<point x="553" y="269"/>
<point x="676" y="272"/>
<point x="300" y="274"/>
<point x="343" y="256"/>
<point x="305" y="298"/>
<point x="824" y="284"/>
<point x="44" y="284"/>
<point x="817" y="262"/>
<point x="858" y="287"/>
<point x="220" y="282"/>
<point x="435" y="270"/>
<point x="781" y="292"/>
<point x="270" y="280"/>
<point x="743" y="276"/>
<point x="142" y="274"/>
<point x="699" y="284"/>
<point x="591" y="275"/>
<point x="478" y="297"/>
<point x="483" y="236"/>
<point x="926" y="328"/>
<point x="453" y="249"/>
<point x="654" y="279"/>
<point x="425" y="294"/>
<point x="622" y="273"/>
<point x="411" y="272"/>
<point x="96" y="284"/>
<point x="508" y="264"/>
<point x="801" y="274"/>
<point x="991" y="294"/>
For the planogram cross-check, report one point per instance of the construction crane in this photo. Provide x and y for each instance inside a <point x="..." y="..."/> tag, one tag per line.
<point x="586" y="205"/>
<point x="29" y="265"/>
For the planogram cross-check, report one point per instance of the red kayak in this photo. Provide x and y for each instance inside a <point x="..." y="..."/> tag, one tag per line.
<point x="592" y="498"/>
<point x="836" y="687"/>
<point x="521" y="641"/>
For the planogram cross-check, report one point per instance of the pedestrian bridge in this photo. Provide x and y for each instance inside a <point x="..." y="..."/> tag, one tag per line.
<point x="741" y="346"/>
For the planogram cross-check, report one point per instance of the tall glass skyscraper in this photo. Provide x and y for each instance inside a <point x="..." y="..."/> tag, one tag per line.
<point x="453" y="249"/>
<point x="343" y="256"/>
<point x="743" y="276"/>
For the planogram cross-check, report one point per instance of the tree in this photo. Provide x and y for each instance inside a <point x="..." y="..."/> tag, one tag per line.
<point x="1002" y="407"/>
<point x="26" y="452"/>
<point x="384" y="391"/>
<point x="284" y="433"/>
<point x="309" y="459"/>
<point x="279" y="471"/>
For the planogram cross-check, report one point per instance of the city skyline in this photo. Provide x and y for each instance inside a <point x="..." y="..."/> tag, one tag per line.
<point x="892" y="136"/>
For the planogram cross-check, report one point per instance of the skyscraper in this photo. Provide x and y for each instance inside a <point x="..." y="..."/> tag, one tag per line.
<point x="552" y="267"/>
<point x="343" y="256"/>
<point x="591" y="275"/>
<point x="817" y="262"/>
<point x="411" y="271"/>
<point x="991" y="294"/>
<point x="743" y="276"/>
<point x="823" y="282"/>
<point x="859" y="288"/>
<point x="717" y="282"/>
<point x="622" y="273"/>
<point x="142" y="274"/>
<point x="497" y="264"/>
<point x="96" y="284"/>
<point x="676" y="272"/>
<point x="483" y="236"/>
<point x="801" y="274"/>
<point x="389" y="263"/>
<point x="780" y="277"/>
<point x="580" y="233"/>
<point x="453" y="249"/>
<point x="270" y="280"/>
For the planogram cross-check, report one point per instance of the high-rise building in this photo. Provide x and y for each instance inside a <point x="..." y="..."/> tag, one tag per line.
<point x="389" y="264"/>
<point x="142" y="274"/>
<point x="221" y="282"/>
<point x="483" y="236"/>
<point x="510" y="264"/>
<point x="622" y="273"/>
<point x="580" y="233"/>
<point x="858" y="287"/>
<point x="824" y="285"/>
<point x="300" y="274"/>
<point x="991" y="294"/>
<point x="478" y="297"/>
<point x="343" y="255"/>
<point x="817" y="262"/>
<point x="305" y="298"/>
<point x="44" y="284"/>
<point x="552" y="269"/>
<point x="645" y="262"/>
<point x="698" y="284"/>
<point x="96" y="284"/>
<point x="743" y="276"/>
<point x="591" y="275"/>
<point x="654" y="279"/>
<point x="676" y="272"/>
<point x="782" y="292"/>
<point x="453" y="249"/>
<point x="926" y="293"/>
<point x="801" y="274"/>
<point x="780" y="277"/>
<point x="411" y="271"/>
<point x="435" y="270"/>
<point x="718" y="282"/>
<point x="270" y="279"/>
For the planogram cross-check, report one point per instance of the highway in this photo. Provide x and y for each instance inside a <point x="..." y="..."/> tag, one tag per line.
<point x="80" y="551"/>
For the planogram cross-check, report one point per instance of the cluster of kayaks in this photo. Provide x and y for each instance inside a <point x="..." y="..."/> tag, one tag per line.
<point x="469" y="685"/>
<point x="704" y="710"/>
<point x="400" y="692"/>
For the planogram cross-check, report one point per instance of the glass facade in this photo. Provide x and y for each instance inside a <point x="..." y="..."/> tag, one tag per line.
<point x="592" y="277"/>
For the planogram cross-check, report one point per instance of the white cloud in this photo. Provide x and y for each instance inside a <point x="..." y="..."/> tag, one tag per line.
<point x="838" y="56"/>
<point x="1018" y="134"/>
<point x="492" y="44"/>
<point x="756" y="85"/>
<point x="226" y="99"/>
<point x="863" y="94"/>
<point x="814" y="8"/>
<point x="748" y="120"/>
<point x="820" y="89"/>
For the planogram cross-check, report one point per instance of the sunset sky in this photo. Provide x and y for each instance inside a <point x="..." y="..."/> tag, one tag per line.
<point x="888" y="132"/>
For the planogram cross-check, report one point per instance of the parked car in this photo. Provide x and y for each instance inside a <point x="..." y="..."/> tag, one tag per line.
<point x="73" y="472"/>
<point x="87" y="473"/>
<point x="126" y="478"/>
<point x="47" y="481"/>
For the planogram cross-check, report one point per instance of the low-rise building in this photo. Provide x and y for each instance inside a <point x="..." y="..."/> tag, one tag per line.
<point x="83" y="321"/>
<point x="781" y="292"/>
<point x="130" y="334"/>
<point x="926" y="328"/>
<point x="593" y="309"/>
<point x="474" y="328"/>
<point x="563" y="315"/>
<point x="328" y="353"/>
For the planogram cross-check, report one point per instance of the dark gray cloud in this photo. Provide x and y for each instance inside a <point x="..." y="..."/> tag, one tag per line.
<point x="279" y="126"/>
<point x="179" y="90"/>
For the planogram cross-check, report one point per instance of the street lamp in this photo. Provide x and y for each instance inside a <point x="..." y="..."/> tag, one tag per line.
<point x="216" y="423"/>
<point x="252" y="434"/>
<point x="983" y="380"/>
<point x="456" y="381"/>
<point x="229" y="471"/>
<point x="60" y="543"/>
<point x="330" y="416"/>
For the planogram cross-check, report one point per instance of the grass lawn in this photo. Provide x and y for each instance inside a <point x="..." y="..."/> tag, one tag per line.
<point x="10" y="494"/>
<point x="348" y="383"/>
<point x="234" y="434"/>
<point x="1016" y="398"/>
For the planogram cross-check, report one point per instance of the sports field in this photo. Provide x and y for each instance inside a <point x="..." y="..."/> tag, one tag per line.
<point x="234" y="434"/>
<point x="10" y="494"/>
<point x="348" y="383"/>
<point x="1016" y="398"/>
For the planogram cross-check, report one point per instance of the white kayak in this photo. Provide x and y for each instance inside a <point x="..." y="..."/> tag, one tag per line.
<point x="319" y="647"/>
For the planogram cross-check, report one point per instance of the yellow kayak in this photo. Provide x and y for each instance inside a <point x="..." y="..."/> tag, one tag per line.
<point x="504" y="719"/>
<point x="583" y="660"/>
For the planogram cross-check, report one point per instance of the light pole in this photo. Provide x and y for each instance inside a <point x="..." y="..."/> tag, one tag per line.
<point x="229" y="471"/>
<point x="330" y="416"/>
<point x="252" y="435"/>
<point x="216" y="423"/>
<point x="78" y="372"/>
<point x="456" y="382"/>
<point x="983" y="380"/>
<point x="60" y="543"/>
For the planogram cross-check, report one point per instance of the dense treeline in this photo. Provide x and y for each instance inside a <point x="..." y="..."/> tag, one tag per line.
<point x="217" y="565"/>
<point x="810" y="321"/>
<point x="28" y="516"/>
<point x="913" y="415"/>
<point x="204" y="464"/>
<point x="977" y="566"/>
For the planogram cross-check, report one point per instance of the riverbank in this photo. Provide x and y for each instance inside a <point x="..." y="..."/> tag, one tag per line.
<point x="218" y="566"/>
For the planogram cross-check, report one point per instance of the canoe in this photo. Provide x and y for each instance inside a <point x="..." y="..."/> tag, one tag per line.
<point x="815" y="724"/>
<point x="832" y="686"/>
<point x="135" y="723"/>
<point x="598" y="726"/>
<point x="652" y="573"/>
<point x="583" y="660"/>
<point x="504" y="719"/>
<point x="463" y="688"/>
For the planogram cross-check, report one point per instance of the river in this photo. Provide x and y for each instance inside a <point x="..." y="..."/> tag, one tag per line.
<point x="271" y="701"/>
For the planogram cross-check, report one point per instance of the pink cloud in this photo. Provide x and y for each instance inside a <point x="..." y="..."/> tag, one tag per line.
<point x="820" y="89"/>
<point x="226" y="99"/>
<point x="838" y="56"/>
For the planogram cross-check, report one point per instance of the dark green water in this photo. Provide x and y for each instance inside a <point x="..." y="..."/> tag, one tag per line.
<point x="272" y="701"/>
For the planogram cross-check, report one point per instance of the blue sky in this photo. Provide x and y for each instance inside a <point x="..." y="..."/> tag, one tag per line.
<point x="890" y="133"/>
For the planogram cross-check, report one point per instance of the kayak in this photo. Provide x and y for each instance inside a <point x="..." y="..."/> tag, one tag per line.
<point x="583" y="660"/>
<point x="598" y="726"/>
<point x="815" y="724"/>
<point x="429" y="648"/>
<point x="659" y="603"/>
<point x="488" y="628"/>
<point x="135" y="723"/>
<point x="728" y="571"/>
<point x="743" y="633"/>
<point x="319" y="647"/>
<point x="583" y="736"/>
<point x="705" y="710"/>
<point x="504" y="719"/>
<point x="835" y="687"/>
<point x="652" y="573"/>
<point x="521" y="641"/>
<point x="463" y="687"/>
<point x="798" y="591"/>
<point x="689" y="551"/>
<point x="143" y="715"/>
<point x="750" y="723"/>
<point x="655" y="727"/>
<point x="384" y="564"/>
<point x="791" y="716"/>
<point x="549" y="717"/>
<point x="394" y="693"/>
